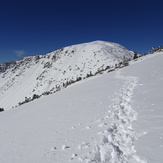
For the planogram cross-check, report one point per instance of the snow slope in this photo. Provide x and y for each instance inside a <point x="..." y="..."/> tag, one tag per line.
<point x="51" y="72"/>
<point x="116" y="117"/>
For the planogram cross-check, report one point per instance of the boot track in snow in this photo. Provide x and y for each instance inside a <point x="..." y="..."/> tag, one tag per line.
<point x="117" y="142"/>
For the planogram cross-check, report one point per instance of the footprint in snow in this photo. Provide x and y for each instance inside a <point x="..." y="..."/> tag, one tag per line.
<point x="102" y="125"/>
<point x="87" y="128"/>
<point x="80" y="124"/>
<point x="53" y="148"/>
<point x="73" y="156"/>
<point x="84" y="145"/>
<point x="64" y="147"/>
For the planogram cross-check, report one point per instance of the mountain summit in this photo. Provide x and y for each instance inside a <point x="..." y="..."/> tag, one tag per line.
<point x="38" y="75"/>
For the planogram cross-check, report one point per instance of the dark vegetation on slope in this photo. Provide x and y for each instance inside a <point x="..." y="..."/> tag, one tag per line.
<point x="1" y="109"/>
<point x="68" y="83"/>
<point x="159" y="49"/>
<point x="16" y="64"/>
<point x="100" y="71"/>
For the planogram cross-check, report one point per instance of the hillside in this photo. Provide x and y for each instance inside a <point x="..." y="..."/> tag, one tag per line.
<point x="31" y="77"/>
<point x="114" y="117"/>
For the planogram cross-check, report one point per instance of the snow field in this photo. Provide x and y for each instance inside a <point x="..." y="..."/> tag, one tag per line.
<point x="111" y="118"/>
<point x="117" y="142"/>
<point x="57" y="127"/>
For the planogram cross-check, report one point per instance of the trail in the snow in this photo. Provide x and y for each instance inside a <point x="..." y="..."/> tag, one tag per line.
<point x="117" y="142"/>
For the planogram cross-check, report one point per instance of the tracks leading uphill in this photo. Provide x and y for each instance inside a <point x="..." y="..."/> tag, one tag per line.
<point x="117" y="142"/>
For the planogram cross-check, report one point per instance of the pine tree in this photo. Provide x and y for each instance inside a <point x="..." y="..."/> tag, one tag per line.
<point x="135" y="55"/>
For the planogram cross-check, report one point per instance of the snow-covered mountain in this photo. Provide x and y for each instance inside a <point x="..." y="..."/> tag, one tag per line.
<point x="34" y="76"/>
<point x="115" y="117"/>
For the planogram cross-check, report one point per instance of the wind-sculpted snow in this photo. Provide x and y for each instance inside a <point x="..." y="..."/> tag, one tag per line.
<point x="117" y="142"/>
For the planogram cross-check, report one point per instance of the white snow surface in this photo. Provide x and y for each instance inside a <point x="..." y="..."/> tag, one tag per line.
<point x="116" y="117"/>
<point x="46" y="73"/>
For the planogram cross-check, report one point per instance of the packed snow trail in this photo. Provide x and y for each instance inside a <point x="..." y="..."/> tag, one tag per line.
<point x="117" y="142"/>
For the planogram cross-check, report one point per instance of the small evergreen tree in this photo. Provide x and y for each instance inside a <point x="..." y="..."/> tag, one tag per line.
<point x="35" y="97"/>
<point x="1" y="109"/>
<point x="125" y="63"/>
<point x="135" y="55"/>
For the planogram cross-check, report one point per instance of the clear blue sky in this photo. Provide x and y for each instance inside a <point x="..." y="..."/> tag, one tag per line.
<point x="30" y="27"/>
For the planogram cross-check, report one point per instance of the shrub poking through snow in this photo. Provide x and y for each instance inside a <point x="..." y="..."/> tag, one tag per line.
<point x="1" y="109"/>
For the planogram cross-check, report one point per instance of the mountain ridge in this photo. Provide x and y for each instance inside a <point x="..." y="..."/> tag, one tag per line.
<point x="44" y="74"/>
<point x="5" y="65"/>
<point x="113" y="117"/>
